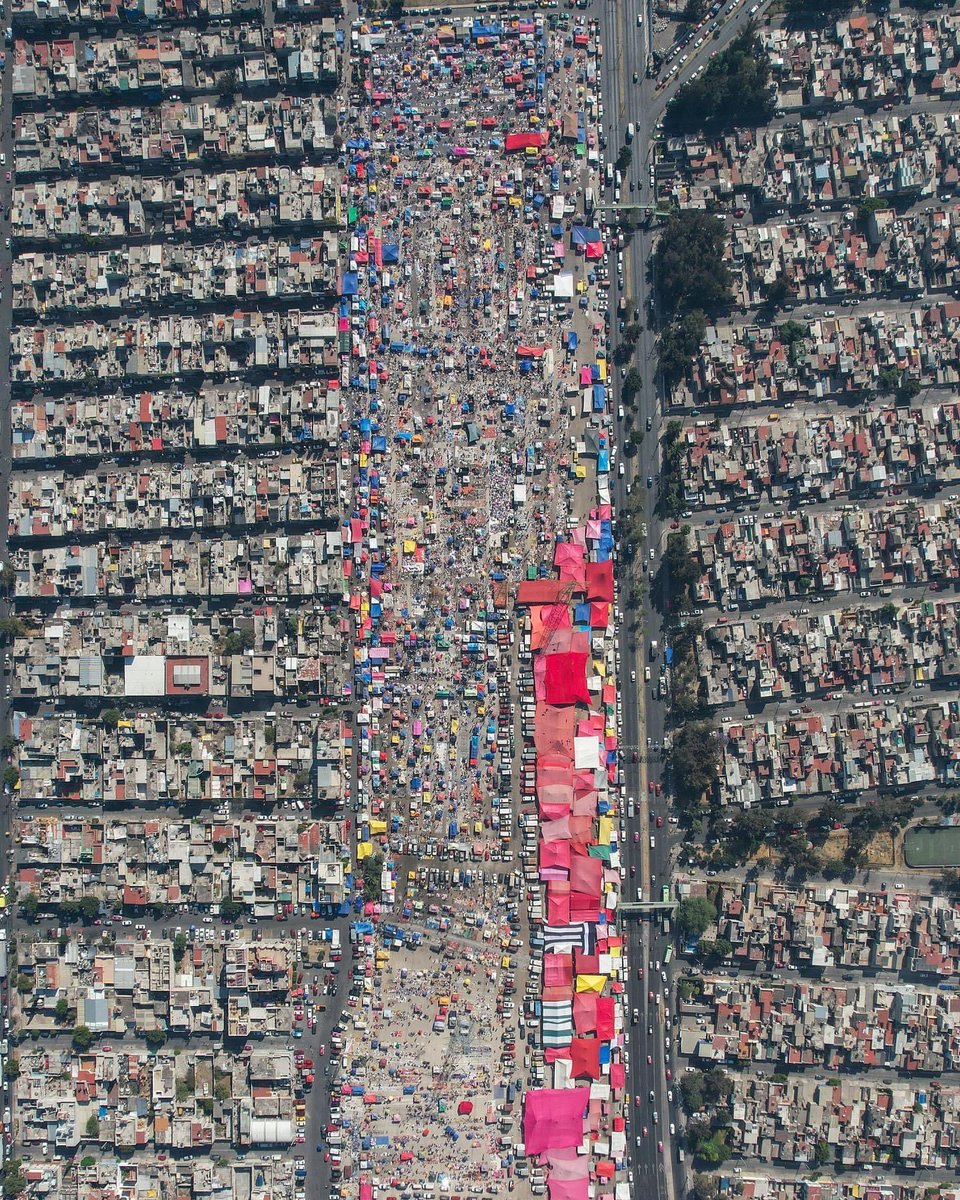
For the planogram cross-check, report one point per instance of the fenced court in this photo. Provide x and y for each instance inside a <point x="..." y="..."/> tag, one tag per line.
<point x="937" y="847"/>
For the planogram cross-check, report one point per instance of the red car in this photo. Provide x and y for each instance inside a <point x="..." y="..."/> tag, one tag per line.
<point x="651" y="787"/>
<point x="639" y="972"/>
<point x="659" y="822"/>
<point x="660" y="1147"/>
<point x="636" y="838"/>
<point x="659" y="789"/>
<point x="669" y="1074"/>
<point x="636" y="1101"/>
<point x="644" y="1131"/>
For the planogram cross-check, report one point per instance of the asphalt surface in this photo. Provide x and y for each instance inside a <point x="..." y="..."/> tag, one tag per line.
<point x="627" y="46"/>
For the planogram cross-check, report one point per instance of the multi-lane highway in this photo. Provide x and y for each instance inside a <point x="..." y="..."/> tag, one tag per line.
<point x="631" y="98"/>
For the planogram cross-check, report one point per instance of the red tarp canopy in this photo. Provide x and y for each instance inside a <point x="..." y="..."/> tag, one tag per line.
<point x="520" y="141"/>
<point x="565" y="678"/>
<point x="585" y="1055"/>
<point x="547" y="591"/>
<point x="600" y="581"/>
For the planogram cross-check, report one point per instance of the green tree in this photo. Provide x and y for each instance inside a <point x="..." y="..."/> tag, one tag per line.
<point x="238" y="641"/>
<point x="679" y="344"/>
<point x="714" y="951"/>
<point x="733" y="92"/>
<point x="87" y="1162"/>
<point x="154" y="1038"/>
<point x="14" y="1183"/>
<point x="691" y="273"/>
<point x="695" y="915"/>
<point x="870" y="205"/>
<point x="704" y="1187"/>
<point x="89" y="908"/>
<point x="12" y="1070"/>
<point x="82" y="1038"/>
<point x="693" y="11"/>
<point x="681" y="568"/>
<point x="791" y="333"/>
<point x="748" y="831"/>
<point x="24" y="984"/>
<point x="696" y="757"/>
<point x="222" y="1090"/>
<point x="93" y="1126"/>
<point x="180" y="945"/>
<point x="888" y="379"/>
<point x="62" y="1011"/>
<point x="779" y="291"/>
<point x="231" y="910"/>
<point x="28" y="907"/>
<point x="372" y="868"/>
<point x="706" y="1143"/>
<point x="11" y="627"/>
<point x="632" y="385"/>
<point x="11" y="777"/>
<point x="110" y="718"/>
<point x="823" y="1153"/>
<point x="717" y="1086"/>
<point x="691" y="1092"/>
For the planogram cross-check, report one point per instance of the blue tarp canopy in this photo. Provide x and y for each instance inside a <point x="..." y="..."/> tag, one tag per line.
<point x="583" y="236"/>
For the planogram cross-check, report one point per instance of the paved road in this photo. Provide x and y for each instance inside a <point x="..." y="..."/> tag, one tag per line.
<point x="643" y="718"/>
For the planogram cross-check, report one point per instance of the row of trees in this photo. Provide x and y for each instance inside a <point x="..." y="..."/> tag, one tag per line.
<point x="693" y="282"/>
<point x="734" y="91"/>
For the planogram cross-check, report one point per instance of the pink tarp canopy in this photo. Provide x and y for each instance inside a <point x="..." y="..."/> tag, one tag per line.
<point x="568" y="558"/>
<point x="585" y="804"/>
<point x="618" y="1076"/>
<point x="567" y="1164"/>
<point x="557" y="970"/>
<point x="586" y="964"/>
<point x="558" y="903"/>
<point x="585" y="1012"/>
<point x="553" y="1118"/>
<point x="465" y="1108"/>
<point x="586" y="875"/>
<point x="557" y="832"/>
<point x="554" y="794"/>
<point x="565" y="677"/>
<point x="553" y="731"/>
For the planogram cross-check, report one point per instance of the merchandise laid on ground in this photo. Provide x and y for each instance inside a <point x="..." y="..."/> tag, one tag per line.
<point x="478" y="602"/>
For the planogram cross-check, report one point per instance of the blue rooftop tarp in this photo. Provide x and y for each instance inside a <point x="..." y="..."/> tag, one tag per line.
<point x="349" y="283"/>
<point x="583" y="236"/>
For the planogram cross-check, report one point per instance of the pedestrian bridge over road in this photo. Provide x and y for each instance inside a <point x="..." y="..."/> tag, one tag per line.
<point x="639" y="908"/>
